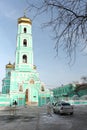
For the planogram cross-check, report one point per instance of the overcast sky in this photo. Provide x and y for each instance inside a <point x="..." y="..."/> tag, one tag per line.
<point x="53" y="71"/>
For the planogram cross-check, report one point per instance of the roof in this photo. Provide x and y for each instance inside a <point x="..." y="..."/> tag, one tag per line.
<point x="9" y="65"/>
<point x="24" y="19"/>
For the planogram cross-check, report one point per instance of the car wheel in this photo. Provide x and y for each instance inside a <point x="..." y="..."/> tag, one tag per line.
<point x="71" y="113"/>
<point x="54" y="110"/>
<point x="61" y="113"/>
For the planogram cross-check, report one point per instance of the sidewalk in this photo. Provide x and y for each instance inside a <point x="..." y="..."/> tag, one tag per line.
<point x="26" y="118"/>
<point x="22" y="110"/>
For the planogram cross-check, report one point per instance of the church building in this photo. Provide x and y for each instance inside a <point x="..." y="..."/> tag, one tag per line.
<point x="22" y="82"/>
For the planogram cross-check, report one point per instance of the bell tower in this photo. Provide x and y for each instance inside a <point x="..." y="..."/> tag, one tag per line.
<point x="24" y="49"/>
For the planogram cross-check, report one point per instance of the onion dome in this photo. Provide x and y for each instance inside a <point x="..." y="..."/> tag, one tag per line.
<point x="9" y="65"/>
<point x="24" y="19"/>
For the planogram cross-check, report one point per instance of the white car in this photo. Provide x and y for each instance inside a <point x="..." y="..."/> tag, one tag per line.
<point x="63" y="108"/>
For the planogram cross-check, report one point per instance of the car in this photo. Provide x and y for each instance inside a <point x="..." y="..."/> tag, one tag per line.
<point x="57" y="102"/>
<point x="63" y="108"/>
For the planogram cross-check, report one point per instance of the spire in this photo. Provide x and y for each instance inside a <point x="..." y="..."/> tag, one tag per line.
<point x="24" y="19"/>
<point x="24" y="12"/>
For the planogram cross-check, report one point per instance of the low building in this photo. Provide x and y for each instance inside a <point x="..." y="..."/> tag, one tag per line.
<point x="70" y="92"/>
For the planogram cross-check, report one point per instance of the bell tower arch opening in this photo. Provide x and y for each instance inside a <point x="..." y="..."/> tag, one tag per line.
<point x="25" y="30"/>
<point x="25" y="43"/>
<point x="24" y="58"/>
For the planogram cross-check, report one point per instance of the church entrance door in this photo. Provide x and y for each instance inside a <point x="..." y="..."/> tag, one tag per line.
<point x="26" y="96"/>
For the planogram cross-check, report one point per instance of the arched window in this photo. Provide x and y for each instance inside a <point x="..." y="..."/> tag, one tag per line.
<point x="42" y="88"/>
<point x="31" y="81"/>
<point x="9" y="73"/>
<point x="25" y="30"/>
<point x="24" y="59"/>
<point x="24" y="42"/>
<point x="20" y="88"/>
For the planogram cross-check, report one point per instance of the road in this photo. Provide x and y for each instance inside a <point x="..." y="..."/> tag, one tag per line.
<point x="34" y="118"/>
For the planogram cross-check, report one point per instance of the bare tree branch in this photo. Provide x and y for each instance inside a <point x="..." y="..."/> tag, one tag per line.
<point x="68" y="20"/>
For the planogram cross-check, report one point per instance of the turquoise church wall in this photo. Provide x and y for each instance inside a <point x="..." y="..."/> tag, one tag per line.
<point x="4" y="100"/>
<point x="22" y="82"/>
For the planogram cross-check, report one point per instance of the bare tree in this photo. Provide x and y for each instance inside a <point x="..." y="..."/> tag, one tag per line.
<point x="84" y="79"/>
<point x="68" y="19"/>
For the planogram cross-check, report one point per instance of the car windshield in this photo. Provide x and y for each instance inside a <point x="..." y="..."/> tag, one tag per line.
<point x="65" y="104"/>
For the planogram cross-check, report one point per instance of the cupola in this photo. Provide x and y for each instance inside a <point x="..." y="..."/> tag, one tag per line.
<point x="24" y="19"/>
<point x="9" y="65"/>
